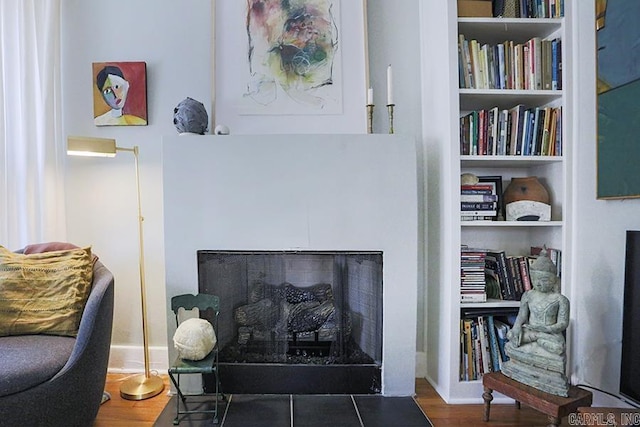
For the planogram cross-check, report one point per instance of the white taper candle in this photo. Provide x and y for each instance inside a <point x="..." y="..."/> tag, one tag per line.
<point x="389" y="85"/>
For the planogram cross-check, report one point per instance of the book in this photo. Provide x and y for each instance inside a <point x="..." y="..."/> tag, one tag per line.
<point x="501" y="334"/>
<point x="546" y="65"/>
<point x="516" y="289"/>
<point x="478" y="197"/>
<point x="479" y="188"/>
<point x="523" y="262"/>
<point x="472" y="206"/>
<point x="479" y="213"/>
<point x="464" y="62"/>
<point x="546" y="132"/>
<point x="496" y="358"/>
<point x="492" y="131"/>
<point x="468" y="336"/>
<point x="524" y="130"/>
<point x="485" y="350"/>
<point x="534" y="145"/>
<point x="517" y="117"/>
<point x="537" y="61"/>
<point x="474" y="55"/>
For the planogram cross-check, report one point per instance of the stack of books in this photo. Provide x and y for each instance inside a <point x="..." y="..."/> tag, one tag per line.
<point x="478" y="201"/>
<point x="472" y="276"/>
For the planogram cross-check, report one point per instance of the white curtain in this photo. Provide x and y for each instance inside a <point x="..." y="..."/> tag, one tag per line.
<point x="31" y="144"/>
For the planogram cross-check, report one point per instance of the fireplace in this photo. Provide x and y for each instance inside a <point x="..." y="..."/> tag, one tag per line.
<point x="292" y="319"/>
<point x="299" y="193"/>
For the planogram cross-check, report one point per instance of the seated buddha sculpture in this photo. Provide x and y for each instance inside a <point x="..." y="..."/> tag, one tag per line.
<point x="536" y="346"/>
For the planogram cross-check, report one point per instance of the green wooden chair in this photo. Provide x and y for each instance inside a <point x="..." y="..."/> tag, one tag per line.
<point x="208" y="365"/>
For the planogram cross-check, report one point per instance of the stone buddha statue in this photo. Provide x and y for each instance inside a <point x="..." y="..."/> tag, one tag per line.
<point x="536" y="346"/>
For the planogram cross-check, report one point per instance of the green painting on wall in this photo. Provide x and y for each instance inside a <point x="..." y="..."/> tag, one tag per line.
<point x="618" y="38"/>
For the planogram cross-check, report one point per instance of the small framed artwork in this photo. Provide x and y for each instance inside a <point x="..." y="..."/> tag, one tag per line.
<point x="120" y="93"/>
<point x="497" y="180"/>
<point x="281" y="66"/>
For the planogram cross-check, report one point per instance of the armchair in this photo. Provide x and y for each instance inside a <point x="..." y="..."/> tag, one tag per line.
<point x="48" y="380"/>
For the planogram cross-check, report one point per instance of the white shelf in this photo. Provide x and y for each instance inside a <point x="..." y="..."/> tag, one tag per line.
<point x="497" y="30"/>
<point x="506" y="224"/>
<point x="491" y="304"/>
<point x="468" y="161"/>
<point x="474" y="99"/>
<point x="441" y="126"/>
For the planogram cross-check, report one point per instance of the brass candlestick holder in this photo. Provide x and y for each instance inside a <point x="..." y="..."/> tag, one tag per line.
<point x="370" y="118"/>
<point x="390" y="110"/>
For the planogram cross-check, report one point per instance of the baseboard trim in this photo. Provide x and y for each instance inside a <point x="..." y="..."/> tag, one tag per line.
<point x="130" y="359"/>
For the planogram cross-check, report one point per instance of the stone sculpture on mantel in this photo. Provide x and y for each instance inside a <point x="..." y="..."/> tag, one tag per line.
<point x="537" y="345"/>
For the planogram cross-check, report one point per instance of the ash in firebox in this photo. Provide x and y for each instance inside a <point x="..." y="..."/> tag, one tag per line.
<point x="300" y="352"/>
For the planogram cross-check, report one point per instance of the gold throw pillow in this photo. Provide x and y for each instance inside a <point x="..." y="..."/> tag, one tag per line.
<point x="44" y="293"/>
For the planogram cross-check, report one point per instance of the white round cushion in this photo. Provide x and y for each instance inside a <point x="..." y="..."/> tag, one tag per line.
<point x="194" y="339"/>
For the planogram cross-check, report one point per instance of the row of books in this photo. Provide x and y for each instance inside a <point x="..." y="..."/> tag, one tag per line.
<point x="534" y="8"/>
<point x="532" y="65"/>
<point x="517" y="131"/>
<point x="507" y="277"/>
<point x="492" y="274"/>
<point x="482" y="340"/>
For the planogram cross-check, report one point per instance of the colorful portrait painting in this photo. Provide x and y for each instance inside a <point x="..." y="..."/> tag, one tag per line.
<point x="120" y="93"/>
<point x="292" y="54"/>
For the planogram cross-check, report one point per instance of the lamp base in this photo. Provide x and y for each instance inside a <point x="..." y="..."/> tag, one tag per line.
<point x="141" y="387"/>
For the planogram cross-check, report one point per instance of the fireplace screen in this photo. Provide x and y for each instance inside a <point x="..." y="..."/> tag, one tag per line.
<point x="310" y="308"/>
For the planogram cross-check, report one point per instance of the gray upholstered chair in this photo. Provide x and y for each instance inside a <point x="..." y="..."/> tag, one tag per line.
<point x="55" y="380"/>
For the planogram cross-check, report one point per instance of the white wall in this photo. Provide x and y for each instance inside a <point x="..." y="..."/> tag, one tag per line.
<point x="174" y="39"/>
<point x="600" y="228"/>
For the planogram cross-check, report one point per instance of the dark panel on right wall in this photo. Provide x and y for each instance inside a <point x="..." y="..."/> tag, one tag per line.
<point x="630" y="368"/>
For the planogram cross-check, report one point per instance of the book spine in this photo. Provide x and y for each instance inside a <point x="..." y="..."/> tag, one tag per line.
<point x="524" y="272"/>
<point x="485" y="354"/>
<point x="493" y="342"/>
<point x="479" y="213"/>
<point x="468" y="323"/>
<point x="478" y="197"/>
<point x="473" y="206"/>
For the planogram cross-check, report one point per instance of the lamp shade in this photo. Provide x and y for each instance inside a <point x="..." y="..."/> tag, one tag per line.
<point x="89" y="146"/>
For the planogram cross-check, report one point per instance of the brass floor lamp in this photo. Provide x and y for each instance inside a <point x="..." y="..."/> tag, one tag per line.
<point x="143" y="386"/>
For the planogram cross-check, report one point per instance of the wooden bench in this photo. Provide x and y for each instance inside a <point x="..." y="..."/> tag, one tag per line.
<point x="554" y="407"/>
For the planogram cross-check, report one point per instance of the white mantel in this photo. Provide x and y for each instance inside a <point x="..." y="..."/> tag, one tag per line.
<point x="300" y="192"/>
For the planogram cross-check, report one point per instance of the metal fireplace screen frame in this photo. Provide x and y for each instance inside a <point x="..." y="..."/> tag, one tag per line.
<point x="297" y="308"/>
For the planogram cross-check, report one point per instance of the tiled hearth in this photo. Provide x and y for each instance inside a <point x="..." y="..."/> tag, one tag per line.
<point x="306" y="411"/>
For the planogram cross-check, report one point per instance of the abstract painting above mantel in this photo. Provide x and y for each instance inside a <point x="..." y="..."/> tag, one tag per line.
<point x="291" y="54"/>
<point x="618" y="36"/>
<point x="290" y="66"/>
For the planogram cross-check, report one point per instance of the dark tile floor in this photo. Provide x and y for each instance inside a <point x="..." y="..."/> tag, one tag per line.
<point x="245" y="410"/>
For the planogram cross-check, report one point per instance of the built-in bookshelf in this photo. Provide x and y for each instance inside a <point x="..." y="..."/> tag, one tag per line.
<point x="509" y="116"/>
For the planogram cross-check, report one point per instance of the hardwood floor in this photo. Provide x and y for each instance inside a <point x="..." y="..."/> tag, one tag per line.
<point x="119" y="412"/>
